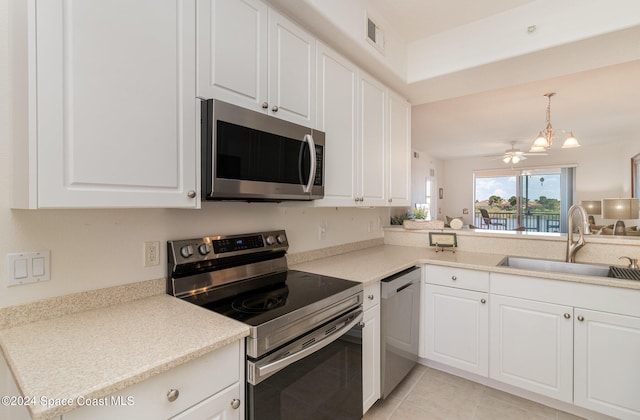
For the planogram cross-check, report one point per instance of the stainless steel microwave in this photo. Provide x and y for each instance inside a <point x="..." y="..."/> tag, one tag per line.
<point x="251" y="156"/>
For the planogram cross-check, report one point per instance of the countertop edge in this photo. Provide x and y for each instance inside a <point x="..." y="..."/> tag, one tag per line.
<point x="230" y="333"/>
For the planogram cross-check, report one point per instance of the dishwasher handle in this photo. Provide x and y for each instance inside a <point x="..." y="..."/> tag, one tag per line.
<point x="400" y="289"/>
<point x="399" y="282"/>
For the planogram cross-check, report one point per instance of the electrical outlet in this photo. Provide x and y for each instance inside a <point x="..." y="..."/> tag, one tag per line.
<point x="151" y="253"/>
<point x="322" y="230"/>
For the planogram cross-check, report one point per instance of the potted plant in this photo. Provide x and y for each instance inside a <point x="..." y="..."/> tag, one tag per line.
<point x="418" y="220"/>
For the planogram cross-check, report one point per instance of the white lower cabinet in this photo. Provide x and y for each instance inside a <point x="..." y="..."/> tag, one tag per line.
<point x="607" y="363"/>
<point x="371" y="346"/>
<point x="455" y="318"/>
<point x="532" y="346"/>
<point x="456" y="328"/>
<point x="210" y="387"/>
<point x="574" y="342"/>
<point x="218" y="407"/>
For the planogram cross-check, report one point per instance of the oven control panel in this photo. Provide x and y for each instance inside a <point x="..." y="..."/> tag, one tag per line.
<point x="222" y="246"/>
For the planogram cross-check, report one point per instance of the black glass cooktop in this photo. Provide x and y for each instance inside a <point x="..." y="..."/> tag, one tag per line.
<point x="285" y="293"/>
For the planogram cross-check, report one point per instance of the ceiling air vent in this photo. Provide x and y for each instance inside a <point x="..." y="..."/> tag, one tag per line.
<point x="375" y="35"/>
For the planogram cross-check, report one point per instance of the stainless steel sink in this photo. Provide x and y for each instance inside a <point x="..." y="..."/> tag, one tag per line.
<point x="555" y="266"/>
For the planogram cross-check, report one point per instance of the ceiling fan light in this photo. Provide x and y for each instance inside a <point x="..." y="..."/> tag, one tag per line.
<point x="515" y="159"/>
<point x="506" y="159"/>
<point x="570" y="142"/>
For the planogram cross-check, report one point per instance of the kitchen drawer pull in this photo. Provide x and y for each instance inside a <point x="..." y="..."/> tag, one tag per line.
<point x="370" y="297"/>
<point x="235" y="403"/>
<point x="483" y="300"/>
<point x="580" y="318"/>
<point x="454" y="278"/>
<point x="173" y="395"/>
<point x="567" y="316"/>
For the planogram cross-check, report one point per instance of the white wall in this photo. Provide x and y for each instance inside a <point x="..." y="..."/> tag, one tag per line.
<point x="92" y="249"/>
<point x="603" y="171"/>
<point x="421" y="167"/>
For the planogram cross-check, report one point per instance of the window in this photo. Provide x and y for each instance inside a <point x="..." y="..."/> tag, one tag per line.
<point x="534" y="199"/>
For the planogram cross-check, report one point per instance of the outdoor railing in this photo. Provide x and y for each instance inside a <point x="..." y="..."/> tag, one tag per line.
<point x="533" y="222"/>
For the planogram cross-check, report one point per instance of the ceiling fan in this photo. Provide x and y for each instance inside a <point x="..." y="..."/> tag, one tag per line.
<point x="514" y="155"/>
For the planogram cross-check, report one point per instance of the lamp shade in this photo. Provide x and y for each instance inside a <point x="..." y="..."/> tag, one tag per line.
<point x="620" y="208"/>
<point x="570" y="142"/>
<point x="592" y="207"/>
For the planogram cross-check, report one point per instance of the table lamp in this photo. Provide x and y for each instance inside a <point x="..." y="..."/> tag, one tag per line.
<point x="592" y="207"/>
<point x="619" y="209"/>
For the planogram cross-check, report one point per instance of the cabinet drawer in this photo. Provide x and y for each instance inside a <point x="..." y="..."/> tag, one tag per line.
<point x="371" y="295"/>
<point x="457" y="277"/>
<point x="194" y="381"/>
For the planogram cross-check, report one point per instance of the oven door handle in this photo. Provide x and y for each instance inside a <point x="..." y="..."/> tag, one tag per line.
<point x="261" y="372"/>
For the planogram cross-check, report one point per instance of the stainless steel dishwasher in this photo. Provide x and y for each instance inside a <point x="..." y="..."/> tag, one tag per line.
<point x="400" y="314"/>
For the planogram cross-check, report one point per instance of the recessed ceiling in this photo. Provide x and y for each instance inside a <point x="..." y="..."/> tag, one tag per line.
<point x="416" y="19"/>
<point x="479" y="110"/>
<point x="598" y="106"/>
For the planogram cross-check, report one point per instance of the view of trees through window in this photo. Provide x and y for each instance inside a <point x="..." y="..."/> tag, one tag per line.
<point x="530" y="200"/>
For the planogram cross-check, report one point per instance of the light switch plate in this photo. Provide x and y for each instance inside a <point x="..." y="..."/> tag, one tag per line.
<point x="28" y="267"/>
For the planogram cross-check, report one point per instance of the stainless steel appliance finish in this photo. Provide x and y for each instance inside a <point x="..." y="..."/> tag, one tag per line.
<point x="305" y="344"/>
<point x="400" y="313"/>
<point x="251" y="156"/>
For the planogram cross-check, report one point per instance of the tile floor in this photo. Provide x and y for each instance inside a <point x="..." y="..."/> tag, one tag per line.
<point x="427" y="394"/>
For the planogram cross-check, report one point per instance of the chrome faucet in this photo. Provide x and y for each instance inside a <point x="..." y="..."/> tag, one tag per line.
<point x="633" y="262"/>
<point x="583" y="229"/>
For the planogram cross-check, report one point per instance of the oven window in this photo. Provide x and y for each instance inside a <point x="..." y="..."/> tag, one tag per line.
<point x="252" y="155"/>
<point x="325" y="385"/>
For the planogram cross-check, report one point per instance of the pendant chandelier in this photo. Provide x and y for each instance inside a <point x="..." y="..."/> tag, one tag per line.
<point x="545" y="138"/>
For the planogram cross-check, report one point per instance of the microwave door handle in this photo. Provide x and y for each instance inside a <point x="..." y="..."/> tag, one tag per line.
<point x="308" y="138"/>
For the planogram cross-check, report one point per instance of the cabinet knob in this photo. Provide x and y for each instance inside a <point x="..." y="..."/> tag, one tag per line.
<point x="173" y="395"/>
<point x="454" y="278"/>
<point x="265" y="105"/>
<point x="483" y="300"/>
<point x="361" y="324"/>
<point x="191" y="194"/>
<point x="391" y="200"/>
<point x="235" y="403"/>
<point x="274" y="108"/>
<point x="580" y="318"/>
<point x="567" y="316"/>
<point x="370" y="297"/>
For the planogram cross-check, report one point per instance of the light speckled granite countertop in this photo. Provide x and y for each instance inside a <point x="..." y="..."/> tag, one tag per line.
<point x="375" y="263"/>
<point x="96" y="352"/>
<point x="100" y="351"/>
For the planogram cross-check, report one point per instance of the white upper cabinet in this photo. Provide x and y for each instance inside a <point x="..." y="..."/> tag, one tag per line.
<point x="337" y="117"/>
<point x="372" y="128"/>
<point x="232" y="51"/>
<point x="251" y="56"/>
<point x="111" y="112"/>
<point x="368" y="136"/>
<point x="399" y="151"/>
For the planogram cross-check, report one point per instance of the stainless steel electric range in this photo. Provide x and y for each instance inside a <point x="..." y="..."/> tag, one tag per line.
<point x="304" y="351"/>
